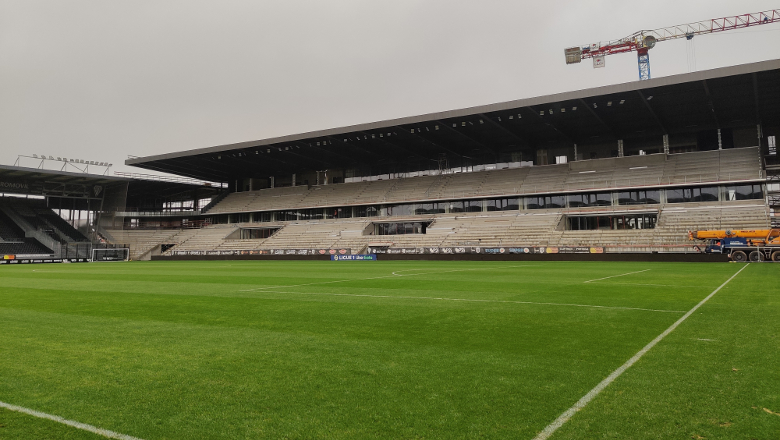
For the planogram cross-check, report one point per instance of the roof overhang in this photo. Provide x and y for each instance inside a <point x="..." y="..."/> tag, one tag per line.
<point x="719" y="98"/>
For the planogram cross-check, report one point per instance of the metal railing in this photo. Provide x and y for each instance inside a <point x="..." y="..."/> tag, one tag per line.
<point x="164" y="213"/>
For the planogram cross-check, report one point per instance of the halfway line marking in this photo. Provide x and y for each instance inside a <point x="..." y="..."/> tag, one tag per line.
<point x="476" y="300"/>
<point x="78" y="425"/>
<point x="615" y="276"/>
<point x="563" y="418"/>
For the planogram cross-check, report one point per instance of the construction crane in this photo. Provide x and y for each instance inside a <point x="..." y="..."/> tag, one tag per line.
<point x="641" y="42"/>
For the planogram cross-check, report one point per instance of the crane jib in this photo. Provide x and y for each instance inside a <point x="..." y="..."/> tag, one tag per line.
<point x="641" y="41"/>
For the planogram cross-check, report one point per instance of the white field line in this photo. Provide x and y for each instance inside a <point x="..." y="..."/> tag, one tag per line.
<point x="375" y="278"/>
<point x="78" y="425"/>
<point x="641" y="284"/>
<point x="476" y="300"/>
<point x="563" y="418"/>
<point x="615" y="276"/>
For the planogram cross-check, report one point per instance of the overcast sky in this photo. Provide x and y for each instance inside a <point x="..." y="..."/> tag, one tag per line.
<point x="102" y="79"/>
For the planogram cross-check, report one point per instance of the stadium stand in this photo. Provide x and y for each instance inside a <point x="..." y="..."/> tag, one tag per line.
<point x="29" y="246"/>
<point x="40" y="218"/>
<point x="13" y="240"/>
<point x="523" y="227"/>
<point x="454" y="206"/>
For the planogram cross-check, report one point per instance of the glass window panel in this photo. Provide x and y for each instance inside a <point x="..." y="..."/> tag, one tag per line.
<point x="678" y="195"/>
<point x="577" y="200"/>
<point x="400" y="210"/>
<point x="650" y="197"/>
<point x="708" y="194"/>
<point x="501" y="204"/>
<point x="744" y="192"/>
<point x="473" y="205"/>
<point x="555" y="202"/>
<point x="400" y="228"/>
<point x="535" y="202"/>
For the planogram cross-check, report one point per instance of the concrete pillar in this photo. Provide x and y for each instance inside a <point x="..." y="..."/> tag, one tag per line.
<point x="620" y="147"/>
<point x="575" y="152"/>
<point x="666" y="144"/>
<point x="293" y="179"/>
<point x="272" y="181"/>
<point x="760" y="135"/>
<point x="720" y="141"/>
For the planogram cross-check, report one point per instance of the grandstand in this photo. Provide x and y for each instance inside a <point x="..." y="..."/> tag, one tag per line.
<point x="533" y="213"/>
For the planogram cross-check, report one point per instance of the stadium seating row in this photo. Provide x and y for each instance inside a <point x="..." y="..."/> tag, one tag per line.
<point x="634" y="171"/>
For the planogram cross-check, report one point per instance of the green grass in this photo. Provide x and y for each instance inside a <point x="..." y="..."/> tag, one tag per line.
<point x="317" y="349"/>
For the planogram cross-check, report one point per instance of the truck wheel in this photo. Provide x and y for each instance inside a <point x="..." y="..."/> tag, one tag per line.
<point x="776" y="256"/>
<point x="756" y="257"/>
<point x="738" y="256"/>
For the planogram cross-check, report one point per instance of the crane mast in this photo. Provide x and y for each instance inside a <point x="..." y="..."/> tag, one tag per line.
<point x="642" y="41"/>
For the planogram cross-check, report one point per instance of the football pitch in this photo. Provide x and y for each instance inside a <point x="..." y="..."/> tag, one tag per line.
<point x="391" y="349"/>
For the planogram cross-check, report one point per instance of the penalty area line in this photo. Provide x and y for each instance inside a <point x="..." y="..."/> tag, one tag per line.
<point x="569" y="413"/>
<point x="615" y="276"/>
<point x="78" y="425"/>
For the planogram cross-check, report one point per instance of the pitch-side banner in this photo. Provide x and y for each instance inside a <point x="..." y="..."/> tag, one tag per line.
<point x="407" y="251"/>
<point x="488" y="250"/>
<point x="323" y="252"/>
<point x="42" y="260"/>
<point x="358" y="257"/>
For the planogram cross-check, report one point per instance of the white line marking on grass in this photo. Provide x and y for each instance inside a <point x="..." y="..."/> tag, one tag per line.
<point x="475" y="300"/>
<point x="78" y="425"/>
<point x="641" y="284"/>
<point x="615" y="276"/>
<point x="376" y="278"/>
<point x="563" y="418"/>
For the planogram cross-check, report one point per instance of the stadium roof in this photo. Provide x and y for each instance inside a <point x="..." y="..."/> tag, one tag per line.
<point x="37" y="181"/>
<point x="18" y="174"/>
<point x="728" y="97"/>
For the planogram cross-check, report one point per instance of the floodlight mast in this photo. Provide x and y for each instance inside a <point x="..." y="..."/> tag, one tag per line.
<point x="642" y="41"/>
